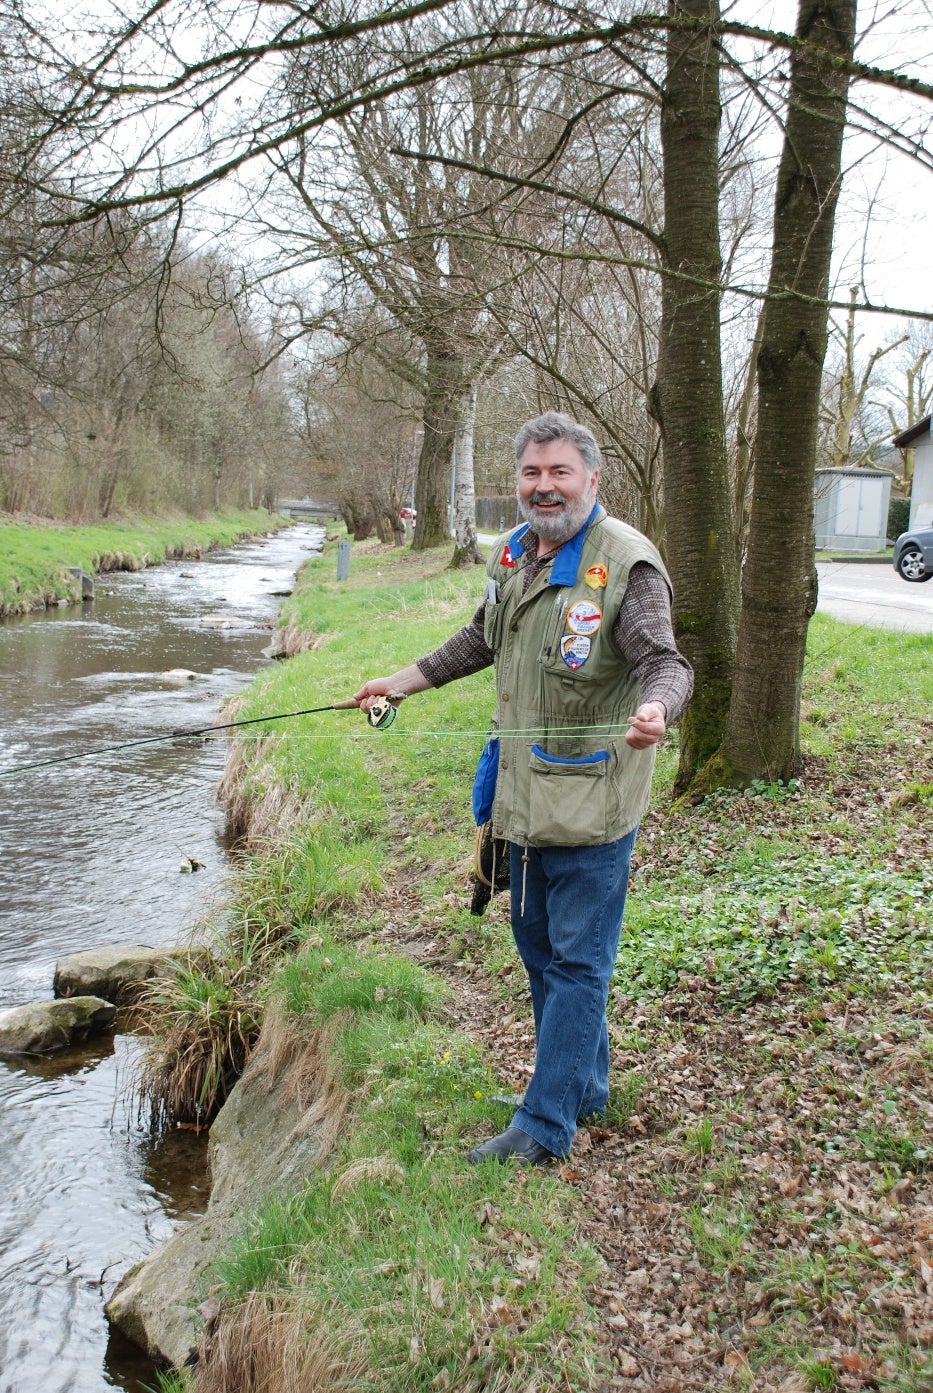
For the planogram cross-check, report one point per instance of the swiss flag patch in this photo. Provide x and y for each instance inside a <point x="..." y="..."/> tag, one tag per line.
<point x="506" y="559"/>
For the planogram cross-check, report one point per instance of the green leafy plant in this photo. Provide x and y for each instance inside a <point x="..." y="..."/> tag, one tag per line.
<point x="884" y="1143"/>
<point x="819" y="1373"/>
<point x="720" y="1230"/>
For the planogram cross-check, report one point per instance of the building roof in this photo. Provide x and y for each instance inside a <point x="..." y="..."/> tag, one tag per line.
<point x="854" y="472"/>
<point x="908" y="436"/>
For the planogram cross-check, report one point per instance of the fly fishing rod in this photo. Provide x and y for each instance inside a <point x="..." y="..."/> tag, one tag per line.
<point x="380" y="716"/>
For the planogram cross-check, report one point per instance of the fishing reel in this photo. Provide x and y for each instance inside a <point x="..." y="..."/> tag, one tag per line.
<point x="383" y="712"/>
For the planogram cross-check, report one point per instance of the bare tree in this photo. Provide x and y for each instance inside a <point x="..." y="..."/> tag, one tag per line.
<point x="845" y="444"/>
<point x="909" y="395"/>
<point x="358" y="432"/>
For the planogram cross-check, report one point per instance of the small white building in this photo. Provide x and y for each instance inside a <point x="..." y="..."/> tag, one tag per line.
<point x="850" y="509"/>
<point x="918" y="439"/>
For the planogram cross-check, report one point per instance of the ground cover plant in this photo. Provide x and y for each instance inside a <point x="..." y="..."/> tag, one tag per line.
<point x="35" y="559"/>
<point x="755" y="1210"/>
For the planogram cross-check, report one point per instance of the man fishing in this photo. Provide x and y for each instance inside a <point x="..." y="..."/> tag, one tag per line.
<point x="577" y="620"/>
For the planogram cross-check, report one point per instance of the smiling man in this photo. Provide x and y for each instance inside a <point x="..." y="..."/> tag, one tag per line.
<point x="576" y="618"/>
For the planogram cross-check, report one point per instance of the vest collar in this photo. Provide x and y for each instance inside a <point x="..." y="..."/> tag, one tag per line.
<point x="566" y="562"/>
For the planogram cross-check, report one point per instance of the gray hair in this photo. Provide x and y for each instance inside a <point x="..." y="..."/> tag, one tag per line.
<point x="557" y="425"/>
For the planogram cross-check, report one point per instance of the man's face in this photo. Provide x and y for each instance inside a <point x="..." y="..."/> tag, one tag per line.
<point x="555" y="496"/>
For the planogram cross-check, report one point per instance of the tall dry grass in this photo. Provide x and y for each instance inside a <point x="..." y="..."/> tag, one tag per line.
<point x="259" y="1346"/>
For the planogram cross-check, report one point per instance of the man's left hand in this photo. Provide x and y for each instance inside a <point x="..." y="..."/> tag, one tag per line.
<point x="647" y="726"/>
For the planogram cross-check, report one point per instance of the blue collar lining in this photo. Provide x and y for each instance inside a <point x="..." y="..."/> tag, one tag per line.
<point x="567" y="561"/>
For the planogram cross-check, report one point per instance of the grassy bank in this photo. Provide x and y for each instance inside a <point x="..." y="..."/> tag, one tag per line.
<point x="34" y="560"/>
<point x="755" y="1212"/>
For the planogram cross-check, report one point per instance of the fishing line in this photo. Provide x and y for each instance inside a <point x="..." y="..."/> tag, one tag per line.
<point x="460" y="733"/>
<point x="380" y="717"/>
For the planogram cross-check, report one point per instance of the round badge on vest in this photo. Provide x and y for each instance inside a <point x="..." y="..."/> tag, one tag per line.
<point x="584" y="617"/>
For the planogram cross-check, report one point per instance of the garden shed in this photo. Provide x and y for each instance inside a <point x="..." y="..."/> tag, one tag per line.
<point x="917" y="438"/>
<point x="850" y="509"/>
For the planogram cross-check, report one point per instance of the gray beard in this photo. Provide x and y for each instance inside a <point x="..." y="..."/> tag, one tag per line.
<point x="559" y="527"/>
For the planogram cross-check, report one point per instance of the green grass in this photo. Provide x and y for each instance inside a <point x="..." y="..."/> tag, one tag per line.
<point x="720" y="1230"/>
<point x="330" y="978"/>
<point x="700" y="1138"/>
<point x="34" y="560"/>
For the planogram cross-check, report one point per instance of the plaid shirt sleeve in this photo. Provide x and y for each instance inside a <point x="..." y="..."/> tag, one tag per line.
<point x="644" y="636"/>
<point x="464" y="653"/>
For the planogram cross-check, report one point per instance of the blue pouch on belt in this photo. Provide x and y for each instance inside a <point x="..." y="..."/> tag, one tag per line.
<point x="484" y="781"/>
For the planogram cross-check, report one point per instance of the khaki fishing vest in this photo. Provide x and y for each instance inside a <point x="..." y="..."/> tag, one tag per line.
<point x="564" y="692"/>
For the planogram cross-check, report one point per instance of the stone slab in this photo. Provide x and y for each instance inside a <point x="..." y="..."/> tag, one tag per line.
<point x="44" y="1026"/>
<point x="117" y="974"/>
<point x="258" y="1147"/>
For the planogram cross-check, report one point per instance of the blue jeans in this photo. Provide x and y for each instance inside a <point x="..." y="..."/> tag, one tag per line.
<point x="568" y="938"/>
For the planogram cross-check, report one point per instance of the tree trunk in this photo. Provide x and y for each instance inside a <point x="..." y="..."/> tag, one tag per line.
<point x="466" y="547"/>
<point x="744" y="431"/>
<point x="432" y="481"/>
<point x="848" y="400"/>
<point x="358" y="520"/>
<point x="688" y="399"/>
<point x="389" y="527"/>
<point x="779" y="581"/>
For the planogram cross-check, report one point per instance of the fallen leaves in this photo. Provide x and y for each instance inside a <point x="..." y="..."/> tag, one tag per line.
<point x="809" y="1113"/>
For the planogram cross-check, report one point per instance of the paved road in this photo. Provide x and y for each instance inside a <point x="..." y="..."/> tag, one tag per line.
<point x="863" y="592"/>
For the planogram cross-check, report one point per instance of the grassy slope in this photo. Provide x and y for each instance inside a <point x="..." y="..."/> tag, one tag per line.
<point x="758" y="1199"/>
<point x="34" y="560"/>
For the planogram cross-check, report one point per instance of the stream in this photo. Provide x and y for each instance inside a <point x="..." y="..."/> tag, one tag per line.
<point x="90" y="855"/>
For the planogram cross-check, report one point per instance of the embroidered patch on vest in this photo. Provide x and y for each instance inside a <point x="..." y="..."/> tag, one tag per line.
<point x="597" y="577"/>
<point x="506" y="559"/>
<point x="574" y="649"/>
<point x="584" y="617"/>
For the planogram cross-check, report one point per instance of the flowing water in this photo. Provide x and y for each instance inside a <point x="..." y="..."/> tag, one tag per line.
<point x="90" y="855"/>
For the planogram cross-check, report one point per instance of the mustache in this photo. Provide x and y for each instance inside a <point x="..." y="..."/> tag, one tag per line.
<point x="546" y="498"/>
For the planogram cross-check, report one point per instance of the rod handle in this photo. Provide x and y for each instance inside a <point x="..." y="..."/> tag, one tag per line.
<point x="351" y="705"/>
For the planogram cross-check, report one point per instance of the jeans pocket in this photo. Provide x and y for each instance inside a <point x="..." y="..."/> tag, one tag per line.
<point x="569" y="799"/>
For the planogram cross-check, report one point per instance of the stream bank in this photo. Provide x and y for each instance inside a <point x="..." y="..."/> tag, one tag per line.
<point x="44" y="565"/>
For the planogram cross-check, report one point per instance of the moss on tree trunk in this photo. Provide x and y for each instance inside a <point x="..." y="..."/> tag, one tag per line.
<point x="779" y="583"/>
<point x="432" y="484"/>
<point x="688" y="399"/>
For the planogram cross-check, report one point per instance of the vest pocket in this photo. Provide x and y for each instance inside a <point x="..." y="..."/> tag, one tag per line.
<point x="492" y="625"/>
<point x="569" y="798"/>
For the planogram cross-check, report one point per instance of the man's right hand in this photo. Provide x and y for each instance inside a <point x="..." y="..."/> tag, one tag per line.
<point x="405" y="682"/>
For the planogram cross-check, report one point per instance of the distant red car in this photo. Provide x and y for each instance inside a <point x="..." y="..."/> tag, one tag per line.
<point x="408" y="514"/>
